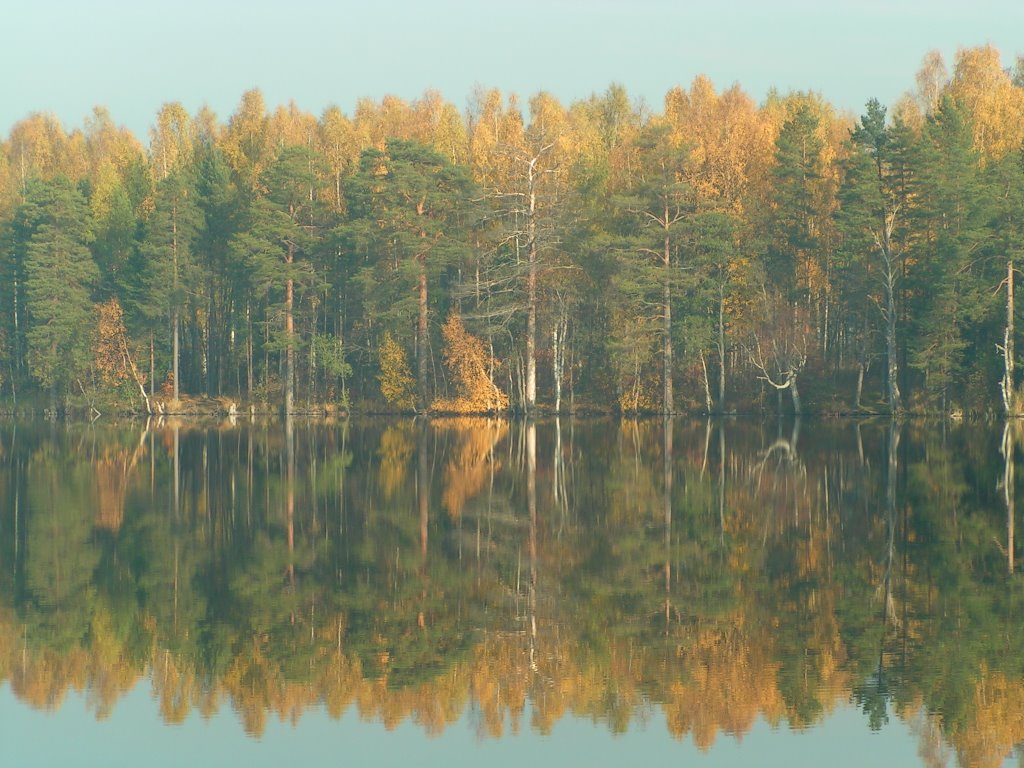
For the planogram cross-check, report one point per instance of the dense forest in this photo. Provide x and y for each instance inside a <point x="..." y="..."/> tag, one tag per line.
<point x="718" y="255"/>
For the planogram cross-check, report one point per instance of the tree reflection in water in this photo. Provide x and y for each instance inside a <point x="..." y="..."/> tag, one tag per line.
<point x="718" y="572"/>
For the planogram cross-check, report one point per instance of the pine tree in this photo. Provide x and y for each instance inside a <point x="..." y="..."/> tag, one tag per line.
<point x="60" y="276"/>
<point x="227" y="283"/>
<point x="169" y="263"/>
<point x="409" y="211"/>
<point x="658" y="206"/>
<point x="799" y="205"/>
<point x="949" y="218"/>
<point x="282" y="227"/>
<point x="873" y="206"/>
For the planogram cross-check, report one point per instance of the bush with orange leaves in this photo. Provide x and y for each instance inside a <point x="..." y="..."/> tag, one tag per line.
<point x="467" y="361"/>
<point x="110" y="351"/>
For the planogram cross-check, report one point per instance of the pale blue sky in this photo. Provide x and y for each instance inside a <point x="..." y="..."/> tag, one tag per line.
<point x="65" y="56"/>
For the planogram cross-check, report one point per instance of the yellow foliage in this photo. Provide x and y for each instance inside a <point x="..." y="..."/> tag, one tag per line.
<point x="998" y="722"/>
<point x="172" y="140"/>
<point x="429" y="120"/>
<point x="439" y="125"/>
<point x="105" y="183"/>
<point x="731" y="142"/>
<point x="996" y="104"/>
<point x="338" y="145"/>
<point x="109" y="357"/>
<point x="291" y="127"/>
<point x="397" y="386"/>
<point x="468" y="362"/>
<point x="39" y="146"/>
<point x="247" y="142"/>
<point x="106" y="143"/>
<point x="498" y="133"/>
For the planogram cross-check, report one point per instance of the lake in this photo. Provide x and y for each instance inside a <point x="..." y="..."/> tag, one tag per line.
<point x="465" y="591"/>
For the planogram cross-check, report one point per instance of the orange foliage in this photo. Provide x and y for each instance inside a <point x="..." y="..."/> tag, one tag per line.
<point x="468" y="363"/>
<point x="473" y="461"/>
<point x="109" y="358"/>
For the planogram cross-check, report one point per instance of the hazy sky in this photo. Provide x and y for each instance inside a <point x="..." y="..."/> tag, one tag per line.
<point x="65" y="56"/>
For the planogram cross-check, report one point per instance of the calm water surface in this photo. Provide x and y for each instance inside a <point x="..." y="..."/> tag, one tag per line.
<point x="466" y="591"/>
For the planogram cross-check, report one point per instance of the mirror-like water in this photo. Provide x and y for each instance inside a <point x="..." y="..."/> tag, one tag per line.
<point x="722" y="593"/>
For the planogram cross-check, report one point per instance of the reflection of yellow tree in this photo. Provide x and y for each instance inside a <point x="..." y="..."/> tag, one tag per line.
<point x="339" y="680"/>
<point x="473" y="463"/>
<point x="113" y="470"/>
<point x="43" y="676"/>
<point x="499" y="680"/>
<point x="257" y="685"/>
<point x="111" y="672"/>
<point x="396" y="447"/>
<point x="730" y="679"/>
<point x="633" y="489"/>
<point x="175" y="686"/>
<point x="998" y="722"/>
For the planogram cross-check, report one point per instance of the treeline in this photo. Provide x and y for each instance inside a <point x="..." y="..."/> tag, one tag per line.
<point x="719" y="255"/>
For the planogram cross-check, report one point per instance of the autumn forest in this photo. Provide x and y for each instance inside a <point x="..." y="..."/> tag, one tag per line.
<point x="716" y="255"/>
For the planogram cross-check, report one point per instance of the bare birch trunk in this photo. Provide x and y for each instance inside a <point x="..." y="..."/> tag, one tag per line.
<point x="531" y="319"/>
<point x="289" y="329"/>
<point x="1009" y="387"/>
<point x="668" y="403"/>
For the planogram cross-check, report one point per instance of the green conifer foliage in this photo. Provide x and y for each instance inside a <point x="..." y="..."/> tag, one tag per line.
<point x="60" y="276"/>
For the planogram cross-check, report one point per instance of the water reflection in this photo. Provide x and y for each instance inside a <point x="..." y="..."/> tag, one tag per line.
<point x="716" y="572"/>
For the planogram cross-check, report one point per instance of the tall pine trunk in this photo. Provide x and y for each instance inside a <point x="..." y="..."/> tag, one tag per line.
<point x="289" y="320"/>
<point x="176" y="344"/>
<point x="421" y="341"/>
<point x="175" y="320"/>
